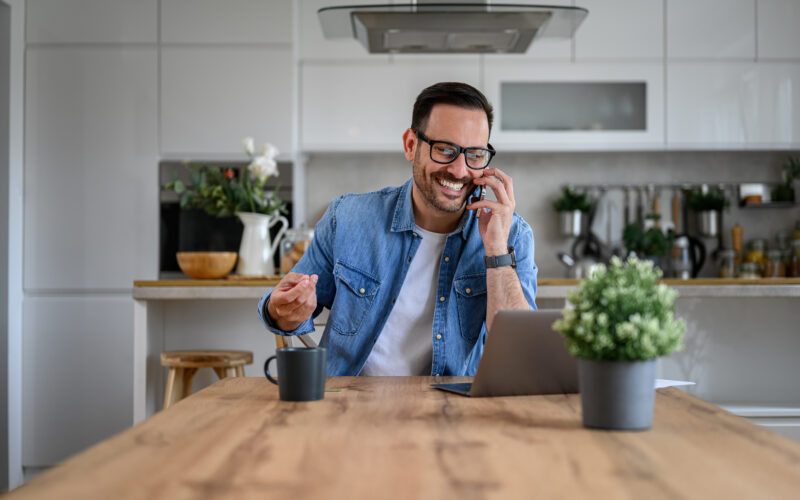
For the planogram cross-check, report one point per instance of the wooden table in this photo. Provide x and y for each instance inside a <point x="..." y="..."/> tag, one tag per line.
<point x="394" y="437"/>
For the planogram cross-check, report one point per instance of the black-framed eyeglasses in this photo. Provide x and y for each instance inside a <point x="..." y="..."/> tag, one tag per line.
<point x="444" y="152"/>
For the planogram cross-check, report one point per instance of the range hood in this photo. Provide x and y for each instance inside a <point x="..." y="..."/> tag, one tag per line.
<point x="427" y="27"/>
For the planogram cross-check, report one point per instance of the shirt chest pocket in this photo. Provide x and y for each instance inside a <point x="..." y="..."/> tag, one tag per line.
<point x="471" y="303"/>
<point x="355" y="293"/>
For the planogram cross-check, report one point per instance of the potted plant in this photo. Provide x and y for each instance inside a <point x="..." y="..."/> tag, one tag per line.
<point x="571" y="206"/>
<point x="620" y="322"/>
<point x="785" y="191"/>
<point x="224" y="192"/>
<point x="649" y="244"/>
<point x="707" y="204"/>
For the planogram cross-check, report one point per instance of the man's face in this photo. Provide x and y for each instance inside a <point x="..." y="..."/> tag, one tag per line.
<point x="445" y="187"/>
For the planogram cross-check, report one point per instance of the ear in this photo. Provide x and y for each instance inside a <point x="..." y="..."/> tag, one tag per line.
<point x="410" y="144"/>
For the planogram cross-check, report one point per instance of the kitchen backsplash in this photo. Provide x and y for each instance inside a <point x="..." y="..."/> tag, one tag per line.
<point x="539" y="177"/>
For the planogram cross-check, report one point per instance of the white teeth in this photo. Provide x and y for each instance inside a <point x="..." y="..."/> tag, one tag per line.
<point x="451" y="185"/>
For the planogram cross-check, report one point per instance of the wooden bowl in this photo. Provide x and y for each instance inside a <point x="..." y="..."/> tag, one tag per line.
<point x="206" y="265"/>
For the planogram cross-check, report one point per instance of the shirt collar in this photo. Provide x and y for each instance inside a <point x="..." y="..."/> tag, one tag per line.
<point x="403" y="218"/>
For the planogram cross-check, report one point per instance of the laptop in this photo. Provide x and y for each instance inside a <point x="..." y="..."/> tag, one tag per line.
<point x="523" y="356"/>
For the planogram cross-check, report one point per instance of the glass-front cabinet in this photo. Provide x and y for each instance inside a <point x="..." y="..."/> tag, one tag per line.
<point x="585" y="106"/>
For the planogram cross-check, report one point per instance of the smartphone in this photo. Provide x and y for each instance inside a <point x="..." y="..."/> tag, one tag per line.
<point x="481" y="196"/>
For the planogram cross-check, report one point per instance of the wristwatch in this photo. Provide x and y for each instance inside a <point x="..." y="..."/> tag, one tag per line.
<point x="509" y="259"/>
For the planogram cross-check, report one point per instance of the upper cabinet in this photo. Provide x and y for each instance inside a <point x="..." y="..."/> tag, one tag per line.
<point x="545" y="49"/>
<point x="212" y="97"/>
<point x="576" y="106"/>
<point x="363" y="106"/>
<point x="232" y="21"/>
<point x="91" y="21"/>
<point x="778" y="29"/>
<point x="733" y="105"/>
<point x="621" y="29"/>
<point x="711" y="29"/>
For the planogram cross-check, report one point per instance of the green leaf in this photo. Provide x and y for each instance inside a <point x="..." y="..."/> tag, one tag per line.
<point x="179" y="187"/>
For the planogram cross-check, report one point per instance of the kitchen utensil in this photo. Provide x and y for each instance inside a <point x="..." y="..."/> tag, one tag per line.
<point x="688" y="255"/>
<point x="577" y="269"/>
<point x="206" y="265"/>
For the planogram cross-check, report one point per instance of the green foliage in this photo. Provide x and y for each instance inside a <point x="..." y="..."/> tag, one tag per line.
<point x="713" y="199"/>
<point x="222" y="193"/>
<point x="650" y="242"/>
<point x="622" y="313"/>
<point x="571" y="200"/>
<point x="791" y="171"/>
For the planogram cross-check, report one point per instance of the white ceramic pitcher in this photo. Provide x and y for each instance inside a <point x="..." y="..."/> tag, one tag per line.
<point x="256" y="250"/>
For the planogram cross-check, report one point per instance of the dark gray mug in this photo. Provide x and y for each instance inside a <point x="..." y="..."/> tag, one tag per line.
<point x="301" y="373"/>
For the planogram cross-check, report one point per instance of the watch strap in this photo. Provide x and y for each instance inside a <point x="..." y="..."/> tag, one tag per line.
<point x="509" y="259"/>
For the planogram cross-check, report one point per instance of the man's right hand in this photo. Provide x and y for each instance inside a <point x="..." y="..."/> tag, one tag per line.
<point x="293" y="300"/>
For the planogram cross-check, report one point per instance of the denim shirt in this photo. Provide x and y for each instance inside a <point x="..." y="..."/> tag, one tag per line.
<point x="361" y="251"/>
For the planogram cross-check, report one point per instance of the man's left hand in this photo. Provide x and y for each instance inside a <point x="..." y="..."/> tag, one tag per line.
<point x="495" y="225"/>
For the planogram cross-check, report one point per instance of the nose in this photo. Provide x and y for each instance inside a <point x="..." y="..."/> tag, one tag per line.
<point x="458" y="168"/>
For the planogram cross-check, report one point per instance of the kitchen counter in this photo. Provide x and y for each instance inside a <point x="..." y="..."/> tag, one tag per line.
<point x="548" y="288"/>
<point x="741" y="344"/>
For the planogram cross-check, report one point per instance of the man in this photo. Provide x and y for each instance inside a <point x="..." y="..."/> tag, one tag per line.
<point x="402" y="269"/>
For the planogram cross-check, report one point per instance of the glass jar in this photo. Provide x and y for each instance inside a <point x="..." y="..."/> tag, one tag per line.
<point x="749" y="271"/>
<point x="726" y="263"/>
<point x="293" y="245"/>
<point x="794" y="267"/>
<point x="774" y="266"/>
<point x="755" y="251"/>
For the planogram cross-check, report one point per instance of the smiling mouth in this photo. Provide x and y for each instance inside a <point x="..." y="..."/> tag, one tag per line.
<point x="451" y="187"/>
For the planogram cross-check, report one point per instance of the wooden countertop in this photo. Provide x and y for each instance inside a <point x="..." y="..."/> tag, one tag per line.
<point x="395" y="437"/>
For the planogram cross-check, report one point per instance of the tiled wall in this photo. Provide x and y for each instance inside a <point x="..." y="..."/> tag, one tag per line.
<point x="538" y="178"/>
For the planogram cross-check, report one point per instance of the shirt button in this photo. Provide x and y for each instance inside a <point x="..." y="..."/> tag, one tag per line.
<point x="415" y="235"/>
<point x="438" y="336"/>
<point x="409" y="259"/>
<point x="447" y="259"/>
<point x="441" y="299"/>
<point x="468" y="291"/>
<point x="361" y="290"/>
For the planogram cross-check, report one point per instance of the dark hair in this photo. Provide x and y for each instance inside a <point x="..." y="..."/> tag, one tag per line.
<point x="456" y="93"/>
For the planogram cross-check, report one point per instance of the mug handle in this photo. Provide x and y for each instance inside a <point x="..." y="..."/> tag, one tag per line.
<point x="266" y="369"/>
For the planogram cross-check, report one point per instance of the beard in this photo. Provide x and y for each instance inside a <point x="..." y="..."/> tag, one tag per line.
<point x="427" y="186"/>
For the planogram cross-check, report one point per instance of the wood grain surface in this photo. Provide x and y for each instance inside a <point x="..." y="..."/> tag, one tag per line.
<point x="394" y="437"/>
<point x="541" y="282"/>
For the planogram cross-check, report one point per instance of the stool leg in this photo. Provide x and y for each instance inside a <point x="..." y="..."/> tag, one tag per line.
<point x="188" y="376"/>
<point x="220" y="372"/>
<point x="174" y="389"/>
<point x="230" y="371"/>
<point x="240" y="371"/>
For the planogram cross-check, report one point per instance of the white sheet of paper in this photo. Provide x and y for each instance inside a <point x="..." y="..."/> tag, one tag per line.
<point x="662" y="382"/>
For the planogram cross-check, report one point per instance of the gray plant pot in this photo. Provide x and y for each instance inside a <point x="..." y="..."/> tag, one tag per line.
<point x="707" y="222"/>
<point x="570" y="223"/>
<point x="617" y="395"/>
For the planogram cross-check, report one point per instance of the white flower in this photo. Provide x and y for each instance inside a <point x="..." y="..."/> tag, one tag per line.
<point x="262" y="167"/>
<point x="269" y="150"/>
<point x="249" y="145"/>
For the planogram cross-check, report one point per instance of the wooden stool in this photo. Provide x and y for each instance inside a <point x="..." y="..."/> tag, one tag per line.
<point x="184" y="364"/>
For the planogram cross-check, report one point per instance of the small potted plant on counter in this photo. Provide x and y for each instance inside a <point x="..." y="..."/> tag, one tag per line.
<point x="707" y="203"/>
<point x="649" y="244"/>
<point x="571" y="207"/>
<point x="620" y="321"/>
<point x="785" y="192"/>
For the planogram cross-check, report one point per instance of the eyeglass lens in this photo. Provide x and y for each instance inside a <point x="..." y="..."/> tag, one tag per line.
<point x="445" y="153"/>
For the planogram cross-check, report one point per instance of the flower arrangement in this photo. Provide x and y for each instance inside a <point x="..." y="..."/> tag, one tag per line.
<point x="622" y="313"/>
<point x="222" y="192"/>
<point x="571" y="200"/>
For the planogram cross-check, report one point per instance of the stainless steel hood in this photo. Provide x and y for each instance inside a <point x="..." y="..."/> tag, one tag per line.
<point x="427" y="27"/>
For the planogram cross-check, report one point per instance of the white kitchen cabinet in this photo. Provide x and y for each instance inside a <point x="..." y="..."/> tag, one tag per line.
<point x="649" y="136"/>
<point x="234" y="21"/>
<point x="91" y="155"/>
<point x="778" y="33"/>
<point x="367" y="107"/>
<point x="314" y="46"/>
<point x="77" y="363"/>
<point x="91" y="21"/>
<point x="621" y="29"/>
<point x="724" y="29"/>
<point x="733" y="105"/>
<point x="212" y="97"/>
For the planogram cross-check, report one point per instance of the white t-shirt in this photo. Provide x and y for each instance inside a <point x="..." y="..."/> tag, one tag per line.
<point x="405" y="346"/>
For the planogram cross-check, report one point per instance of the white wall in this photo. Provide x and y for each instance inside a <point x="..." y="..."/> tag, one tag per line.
<point x="5" y="81"/>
